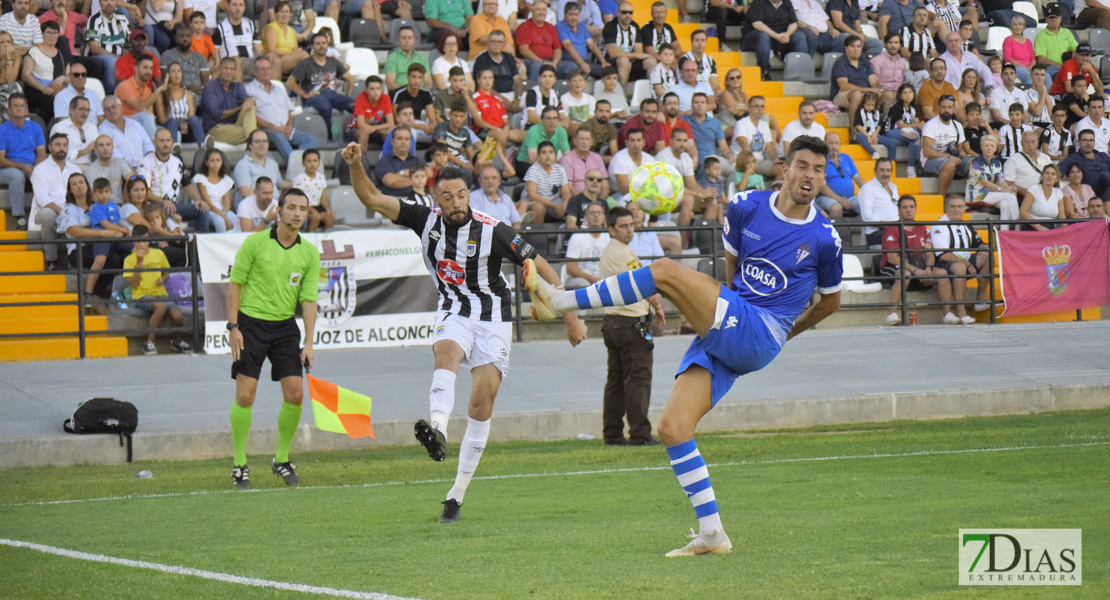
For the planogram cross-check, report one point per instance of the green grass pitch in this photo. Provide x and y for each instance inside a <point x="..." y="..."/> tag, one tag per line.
<point x="853" y="511"/>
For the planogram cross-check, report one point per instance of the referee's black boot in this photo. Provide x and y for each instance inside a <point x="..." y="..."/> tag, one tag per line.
<point x="240" y="479"/>
<point x="287" y="471"/>
<point x="450" y="511"/>
<point x="432" y="439"/>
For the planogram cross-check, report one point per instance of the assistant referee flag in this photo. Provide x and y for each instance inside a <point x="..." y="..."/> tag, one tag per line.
<point x="340" y="410"/>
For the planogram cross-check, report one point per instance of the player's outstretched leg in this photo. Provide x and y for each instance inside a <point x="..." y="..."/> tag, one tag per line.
<point x="690" y="400"/>
<point x="619" y="290"/>
<point x="694" y="294"/>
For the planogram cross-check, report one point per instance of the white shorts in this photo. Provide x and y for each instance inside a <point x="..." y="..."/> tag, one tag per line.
<point x="482" y="342"/>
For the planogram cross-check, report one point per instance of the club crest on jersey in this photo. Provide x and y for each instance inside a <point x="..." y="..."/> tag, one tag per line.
<point x="450" y="272"/>
<point x="471" y="248"/>
<point x="803" y="252"/>
<point x="763" y="277"/>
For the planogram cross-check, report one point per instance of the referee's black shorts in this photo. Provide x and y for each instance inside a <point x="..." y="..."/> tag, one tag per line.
<point x="280" y="341"/>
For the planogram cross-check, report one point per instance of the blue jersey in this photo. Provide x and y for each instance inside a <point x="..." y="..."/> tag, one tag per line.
<point x="780" y="260"/>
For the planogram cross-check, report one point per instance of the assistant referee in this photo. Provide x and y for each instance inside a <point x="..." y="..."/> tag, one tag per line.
<point x="274" y="270"/>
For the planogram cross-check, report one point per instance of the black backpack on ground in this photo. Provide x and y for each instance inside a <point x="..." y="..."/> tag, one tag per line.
<point x="105" y="415"/>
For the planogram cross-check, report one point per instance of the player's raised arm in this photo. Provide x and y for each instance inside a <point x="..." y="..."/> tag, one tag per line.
<point x="368" y="193"/>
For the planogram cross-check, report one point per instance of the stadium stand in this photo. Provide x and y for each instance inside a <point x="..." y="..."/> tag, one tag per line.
<point x="365" y="50"/>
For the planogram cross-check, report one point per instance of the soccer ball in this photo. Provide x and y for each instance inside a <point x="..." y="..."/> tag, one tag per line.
<point x="657" y="188"/>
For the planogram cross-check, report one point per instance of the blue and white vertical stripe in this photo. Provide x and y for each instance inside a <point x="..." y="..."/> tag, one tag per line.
<point x="623" y="289"/>
<point x="692" y="474"/>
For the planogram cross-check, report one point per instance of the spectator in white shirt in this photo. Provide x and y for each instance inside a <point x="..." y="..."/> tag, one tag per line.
<point x="48" y="180"/>
<point x="805" y="125"/>
<point x="79" y="129"/>
<point x="878" y="200"/>
<point x="587" y="246"/>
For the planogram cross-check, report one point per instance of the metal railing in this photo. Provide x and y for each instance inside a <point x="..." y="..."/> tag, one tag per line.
<point x="192" y="267"/>
<point x="902" y="279"/>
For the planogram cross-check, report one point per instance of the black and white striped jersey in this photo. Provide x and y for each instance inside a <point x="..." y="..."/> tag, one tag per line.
<point x="465" y="261"/>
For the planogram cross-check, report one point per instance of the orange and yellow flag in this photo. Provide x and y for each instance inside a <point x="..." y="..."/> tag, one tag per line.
<point x="340" y="410"/>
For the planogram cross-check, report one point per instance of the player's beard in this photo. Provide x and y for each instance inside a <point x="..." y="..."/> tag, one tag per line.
<point x="456" y="218"/>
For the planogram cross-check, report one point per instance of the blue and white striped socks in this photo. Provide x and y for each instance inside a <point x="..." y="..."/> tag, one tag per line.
<point x="693" y="475"/>
<point x="619" y="290"/>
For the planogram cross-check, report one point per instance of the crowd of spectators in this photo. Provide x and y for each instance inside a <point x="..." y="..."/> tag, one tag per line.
<point x="508" y="94"/>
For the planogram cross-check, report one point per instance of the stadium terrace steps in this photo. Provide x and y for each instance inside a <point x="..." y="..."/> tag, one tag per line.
<point x="60" y="348"/>
<point x="38" y="320"/>
<point x="12" y="235"/>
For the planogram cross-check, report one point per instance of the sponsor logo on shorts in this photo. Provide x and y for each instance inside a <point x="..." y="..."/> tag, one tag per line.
<point x="450" y="272"/>
<point x="763" y="277"/>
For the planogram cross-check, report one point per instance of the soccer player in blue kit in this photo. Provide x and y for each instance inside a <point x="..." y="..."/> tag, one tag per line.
<point x="780" y="248"/>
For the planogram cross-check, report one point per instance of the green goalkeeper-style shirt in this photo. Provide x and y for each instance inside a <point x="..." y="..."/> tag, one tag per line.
<point x="275" y="278"/>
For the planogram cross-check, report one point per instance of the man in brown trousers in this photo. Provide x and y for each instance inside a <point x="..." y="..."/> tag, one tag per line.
<point x="626" y="331"/>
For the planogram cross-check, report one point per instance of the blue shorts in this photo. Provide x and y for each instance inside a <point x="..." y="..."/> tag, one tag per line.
<point x="146" y="303"/>
<point x="739" y="343"/>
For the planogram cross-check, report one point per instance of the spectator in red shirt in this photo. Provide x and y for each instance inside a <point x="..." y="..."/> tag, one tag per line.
<point x="125" y="66"/>
<point x="491" y="118"/>
<point x="1080" y="64"/>
<point x="654" y="140"/>
<point x="373" y="118"/>
<point x="537" y="44"/>
<point x="672" y="121"/>
<point x="919" y="262"/>
<point x="67" y="20"/>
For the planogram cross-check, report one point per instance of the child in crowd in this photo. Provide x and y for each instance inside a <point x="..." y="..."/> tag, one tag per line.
<point x="866" y="124"/>
<point x="665" y="74"/>
<point x="460" y="139"/>
<point x="148" y="289"/>
<point x="314" y="185"/>
<point x="1075" y="100"/>
<point x="579" y="105"/>
<point x="745" y="175"/>
<point x="1056" y="140"/>
<point x="104" y="214"/>
<point x="439" y="156"/>
<point x="420" y="195"/>
<point x="618" y="104"/>
<point x="546" y="187"/>
<point x="711" y="179"/>
<point x="202" y="42"/>
<point x="1010" y="134"/>
<point x="976" y="127"/>
<point x="917" y="72"/>
<point x="994" y="63"/>
<point x="969" y="45"/>
<point x="214" y="187"/>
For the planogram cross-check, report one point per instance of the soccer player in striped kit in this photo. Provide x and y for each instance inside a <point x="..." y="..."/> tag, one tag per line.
<point x="463" y="252"/>
<point x="779" y="249"/>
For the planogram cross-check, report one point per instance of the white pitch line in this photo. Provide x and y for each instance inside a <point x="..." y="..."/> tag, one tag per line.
<point x="561" y="474"/>
<point x="214" y="576"/>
